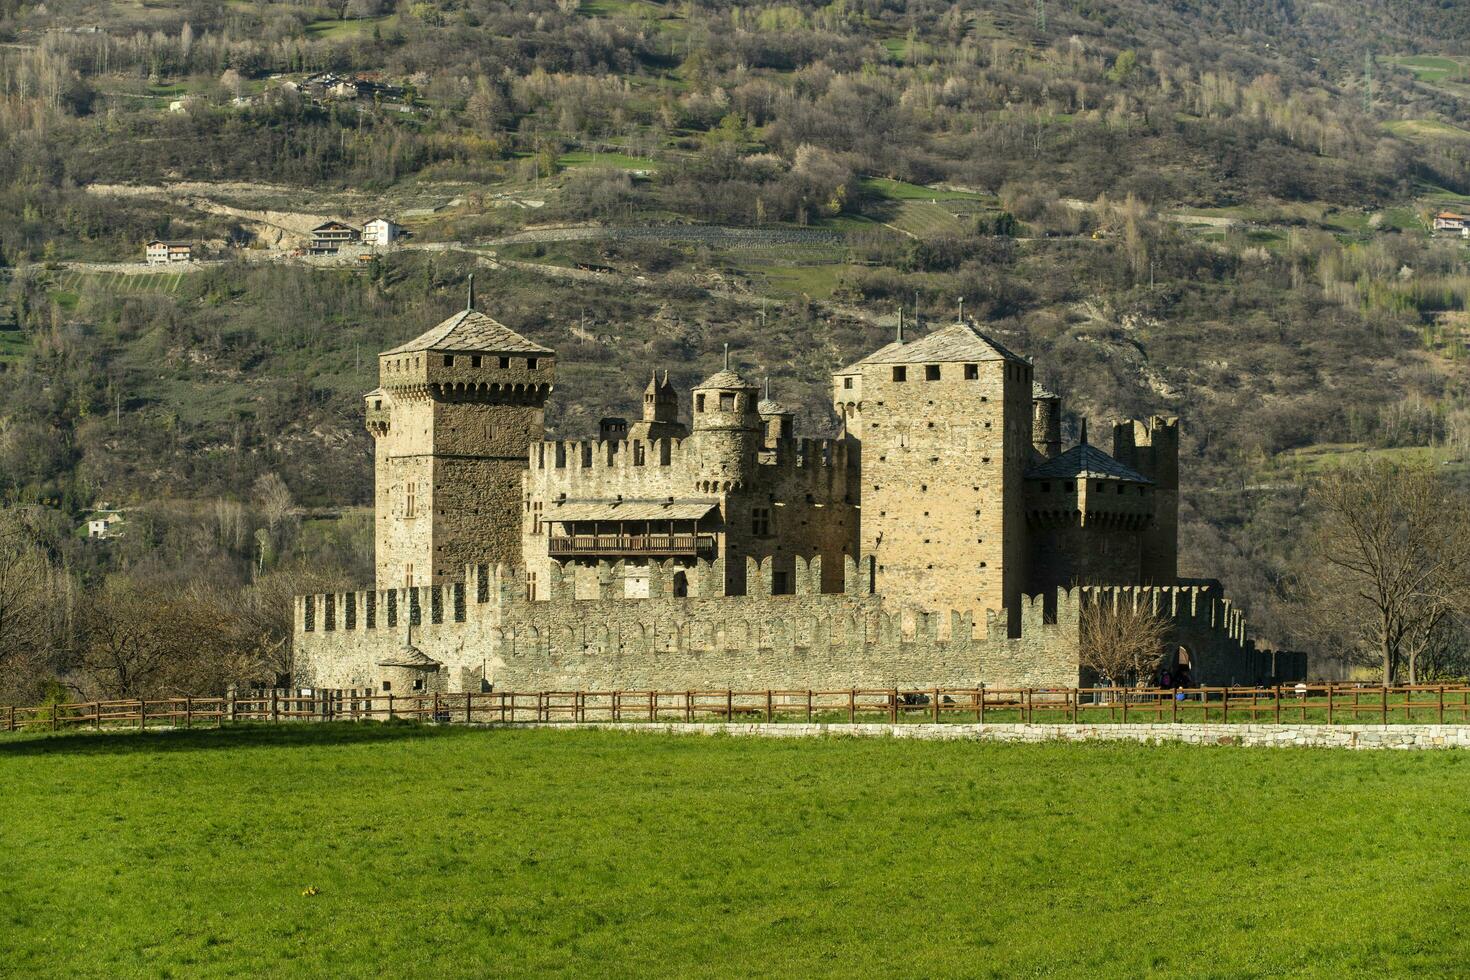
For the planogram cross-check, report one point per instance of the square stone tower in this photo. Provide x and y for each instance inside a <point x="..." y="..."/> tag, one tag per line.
<point x="454" y="416"/>
<point x="944" y="425"/>
<point x="1151" y="446"/>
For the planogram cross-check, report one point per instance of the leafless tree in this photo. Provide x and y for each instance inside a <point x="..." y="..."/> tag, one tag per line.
<point x="274" y="498"/>
<point x="1122" y="643"/>
<point x="1387" y="563"/>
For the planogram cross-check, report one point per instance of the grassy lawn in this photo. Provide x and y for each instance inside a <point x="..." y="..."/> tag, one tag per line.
<point x="333" y="28"/>
<point x="1426" y="129"/>
<point x="616" y="161"/>
<point x="899" y="190"/>
<point x="1326" y="456"/>
<point x="463" y="853"/>
<point x="1430" y="68"/>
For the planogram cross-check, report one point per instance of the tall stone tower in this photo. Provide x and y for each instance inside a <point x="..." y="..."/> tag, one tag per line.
<point x="1151" y="446"/>
<point x="945" y="429"/>
<point x="660" y="412"/>
<point x="454" y="415"/>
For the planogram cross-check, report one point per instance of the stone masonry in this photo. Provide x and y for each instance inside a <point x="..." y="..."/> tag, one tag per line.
<point x="946" y="539"/>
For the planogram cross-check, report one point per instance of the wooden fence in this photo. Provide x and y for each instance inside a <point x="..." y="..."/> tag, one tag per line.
<point x="1330" y="704"/>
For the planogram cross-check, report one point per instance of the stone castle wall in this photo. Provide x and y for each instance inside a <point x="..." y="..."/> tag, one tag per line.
<point x="485" y="631"/>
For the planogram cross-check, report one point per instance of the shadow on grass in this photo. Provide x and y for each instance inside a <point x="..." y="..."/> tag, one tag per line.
<point x="233" y="737"/>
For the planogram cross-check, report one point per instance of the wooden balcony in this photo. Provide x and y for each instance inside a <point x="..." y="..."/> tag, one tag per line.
<point x="616" y="545"/>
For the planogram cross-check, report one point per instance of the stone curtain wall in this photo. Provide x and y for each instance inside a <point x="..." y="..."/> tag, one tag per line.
<point x="485" y="631"/>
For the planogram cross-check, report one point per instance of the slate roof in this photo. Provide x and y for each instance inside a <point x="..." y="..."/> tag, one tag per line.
<point x="769" y="406"/>
<point x="956" y="342"/>
<point x="471" y="330"/>
<point x="725" y="379"/>
<point x="1038" y="390"/>
<point x="409" y="655"/>
<point x="630" y="510"/>
<point x="1085" y="462"/>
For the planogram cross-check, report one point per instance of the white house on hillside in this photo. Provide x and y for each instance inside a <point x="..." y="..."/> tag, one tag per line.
<point x="381" y="232"/>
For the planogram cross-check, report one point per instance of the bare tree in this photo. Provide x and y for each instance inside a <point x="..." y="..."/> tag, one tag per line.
<point x="274" y="498"/>
<point x="1387" y="565"/>
<point x="1122" y="643"/>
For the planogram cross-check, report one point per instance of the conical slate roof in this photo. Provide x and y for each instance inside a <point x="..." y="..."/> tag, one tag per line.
<point x="471" y="330"/>
<point x="956" y="342"/>
<point x="725" y="379"/>
<point x="411" y="656"/>
<point x="1088" y="463"/>
<point x="1040" y="391"/>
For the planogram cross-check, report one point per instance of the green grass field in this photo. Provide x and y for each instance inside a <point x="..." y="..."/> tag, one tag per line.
<point x="461" y="852"/>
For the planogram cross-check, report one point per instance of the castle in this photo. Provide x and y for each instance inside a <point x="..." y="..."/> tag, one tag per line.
<point x="945" y="539"/>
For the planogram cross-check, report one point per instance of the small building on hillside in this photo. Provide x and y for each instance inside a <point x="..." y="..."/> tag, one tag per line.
<point x="329" y="238"/>
<point x="104" y="524"/>
<point x="160" y="252"/>
<point x="1452" y="223"/>
<point x="381" y="233"/>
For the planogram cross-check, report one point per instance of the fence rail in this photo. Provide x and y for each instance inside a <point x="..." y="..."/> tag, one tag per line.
<point x="1331" y="704"/>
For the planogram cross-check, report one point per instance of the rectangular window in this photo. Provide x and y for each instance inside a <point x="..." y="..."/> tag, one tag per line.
<point x="387" y="686"/>
<point x="530" y="364"/>
<point x="727" y="401"/>
<point x="931" y="372"/>
<point x="972" y="372"/>
<point x="505" y="362"/>
<point x="1045" y="487"/>
<point x="900" y="373"/>
<point x="408" y="576"/>
<point x="699" y="403"/>
<point x="536" y="517"/>
<point x="410" y="501"/>
<point x="847" y="382"/>
<point x="449" y="360"/>
<point x="475" y="361"/>
<point x="760" y="522"/>
<point x="531" y="586"/>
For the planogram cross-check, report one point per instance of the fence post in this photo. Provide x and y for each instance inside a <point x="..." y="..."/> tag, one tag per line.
<point x="808" y="704"/>
<point x="54" y="720"/>
<point x="1124" y="691"/>
<point x="1441" y="704"/>
<point x="1385" y="703"/>
<point x="851" y="705"/>
<point x="276" y="707"/>
<point x="1173" y="709"/>
<point x="1276" y="694"/>
<point x="10" y="719"/>
<point x="893" y="707"/>
<point x="189" y="712"/>
<point x="770" y="708"/>
<point x="142" y="715"/>
<point x="1224" y="704"/>
<point x="390" y="704"/>
<point x="1329" y="702"/>
<point x="980" y="713"/>
<point x="436" y="707"/>
<point x="1076" y="696"/>
<point x="936" y="706"/>
<point x="729" y="705"/>
<point x="97" y="715"/>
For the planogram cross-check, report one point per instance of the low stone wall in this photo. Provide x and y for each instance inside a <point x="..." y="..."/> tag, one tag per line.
<point x="1260" y="736"/>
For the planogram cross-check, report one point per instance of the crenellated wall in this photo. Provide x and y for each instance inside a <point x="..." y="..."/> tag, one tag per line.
<point x="486" y="632"/>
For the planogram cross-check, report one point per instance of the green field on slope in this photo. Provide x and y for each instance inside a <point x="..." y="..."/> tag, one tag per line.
<point x="457" y="852"/>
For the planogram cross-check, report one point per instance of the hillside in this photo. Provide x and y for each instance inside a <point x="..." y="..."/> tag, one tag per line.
<point x="1217" y="210"/>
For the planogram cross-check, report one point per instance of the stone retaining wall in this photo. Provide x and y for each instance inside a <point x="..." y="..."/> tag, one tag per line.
<point x="1268" y="736"/>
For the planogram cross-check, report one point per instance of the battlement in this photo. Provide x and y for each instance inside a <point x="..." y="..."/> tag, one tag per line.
<point x="605" y="454"/>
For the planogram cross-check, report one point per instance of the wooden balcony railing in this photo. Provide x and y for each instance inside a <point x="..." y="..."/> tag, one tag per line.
<point x="632" y="544"/>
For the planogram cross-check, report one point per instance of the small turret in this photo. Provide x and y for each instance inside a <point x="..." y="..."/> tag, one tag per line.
<point x="727" y="426"/>
<point x="1046" y="422"/>
<point x="777" y="421"/>
<point x="660" y="412"/>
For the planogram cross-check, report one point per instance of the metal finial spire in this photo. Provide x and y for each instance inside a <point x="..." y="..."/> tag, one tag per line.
<point x="727" y="357"/>
<point x="962" y="309"/>
<point x="1084" y="430"/>
<point x="469" y="302"/>
<point x="900" y="323"/>
<point x="768" y="387"/>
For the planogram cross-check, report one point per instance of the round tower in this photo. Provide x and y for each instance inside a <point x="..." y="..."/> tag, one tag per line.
<point x="1046" y="422"/>
<point x="777" y="421"/>
<point x="728" y="428"/>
